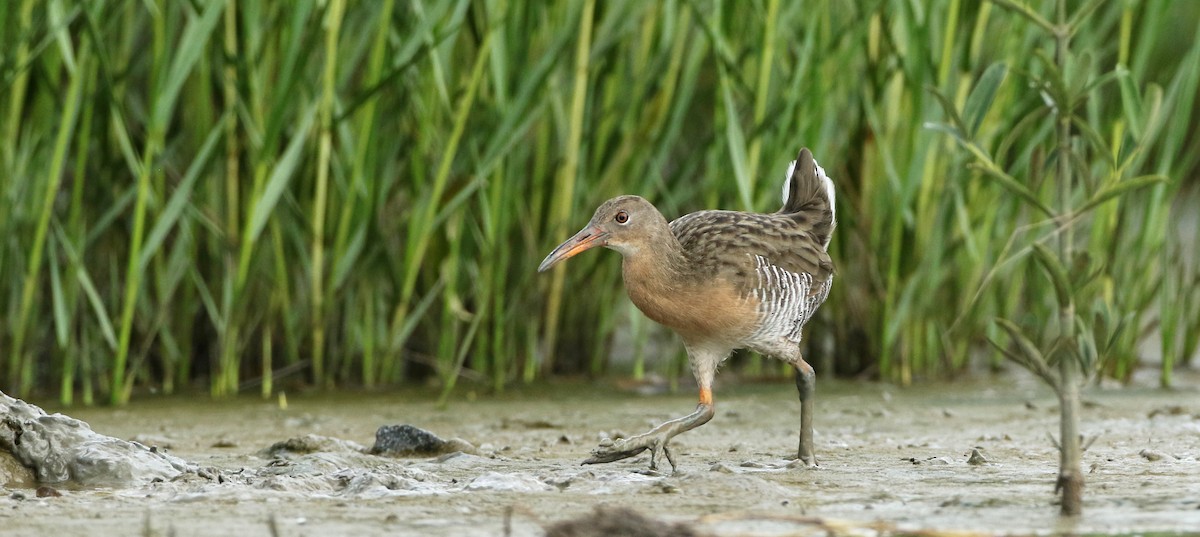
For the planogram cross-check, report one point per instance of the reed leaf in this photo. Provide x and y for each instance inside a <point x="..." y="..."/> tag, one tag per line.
<point x="391" y="183"/>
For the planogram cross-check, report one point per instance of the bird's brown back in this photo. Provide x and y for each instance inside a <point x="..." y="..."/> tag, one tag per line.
<point x="723" y="245"/>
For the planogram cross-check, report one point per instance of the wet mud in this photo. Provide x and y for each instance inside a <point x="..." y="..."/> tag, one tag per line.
<point x="973" y="456"/>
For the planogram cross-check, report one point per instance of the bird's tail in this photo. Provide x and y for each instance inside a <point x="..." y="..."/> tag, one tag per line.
<point x="809" y="197"/>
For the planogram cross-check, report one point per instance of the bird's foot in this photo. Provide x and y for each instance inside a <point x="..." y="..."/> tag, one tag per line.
<point x="802" y="461"/>
<point x="611" y="450"/>
<point x="805" y="458"/>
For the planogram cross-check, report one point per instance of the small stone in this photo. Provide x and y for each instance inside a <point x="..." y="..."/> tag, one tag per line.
<point x="224" y="443"/>
<point x="976" y="458"/>
<point x="662" y="487"/>
<point x="560" y="483"/>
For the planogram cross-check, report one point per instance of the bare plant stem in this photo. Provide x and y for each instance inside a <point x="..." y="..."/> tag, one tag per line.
<point x="1070" y="475"/>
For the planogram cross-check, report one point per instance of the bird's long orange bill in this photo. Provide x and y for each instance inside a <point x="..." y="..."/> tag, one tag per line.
<point x="587" y="238"/>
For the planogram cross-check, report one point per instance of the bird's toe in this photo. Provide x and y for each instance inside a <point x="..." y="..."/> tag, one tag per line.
<point x="611" y="451"/>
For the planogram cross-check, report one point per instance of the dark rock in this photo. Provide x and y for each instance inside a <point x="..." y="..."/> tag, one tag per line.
<point x="605" y="521"/>
<point x="407" y="440"/>
<point x="59" y="448"/>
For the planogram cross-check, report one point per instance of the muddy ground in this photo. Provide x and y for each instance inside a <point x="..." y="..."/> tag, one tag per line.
<point x="892" y="459"/>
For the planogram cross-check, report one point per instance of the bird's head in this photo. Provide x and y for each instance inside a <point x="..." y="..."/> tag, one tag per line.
<point x="625" y="224"/>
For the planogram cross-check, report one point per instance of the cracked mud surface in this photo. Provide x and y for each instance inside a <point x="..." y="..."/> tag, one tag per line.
<point x="892" y="459"/>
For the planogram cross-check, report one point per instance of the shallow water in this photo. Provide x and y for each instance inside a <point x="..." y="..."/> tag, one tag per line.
<point x="892" y="459"/>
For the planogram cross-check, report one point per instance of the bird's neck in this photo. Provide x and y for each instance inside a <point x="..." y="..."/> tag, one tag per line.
<point x="658" y="266"/>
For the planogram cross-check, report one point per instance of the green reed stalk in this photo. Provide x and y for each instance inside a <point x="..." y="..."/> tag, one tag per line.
<point x="75" y="231"/>
<point x="20" y="84"/>
<point x="422" y="224"/>
<point x="564" y="189"/>
<point x="133" y="279"/>
<point x="419" y="173"/>
<point x="229" y="84"/>
<point x="20" y="368"/>
<point x="333" y="24"/>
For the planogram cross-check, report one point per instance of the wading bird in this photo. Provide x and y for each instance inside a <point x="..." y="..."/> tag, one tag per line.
<point x="722" y="280"/>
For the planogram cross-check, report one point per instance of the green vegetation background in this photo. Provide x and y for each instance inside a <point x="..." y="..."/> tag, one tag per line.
<point x="220" y="194"/>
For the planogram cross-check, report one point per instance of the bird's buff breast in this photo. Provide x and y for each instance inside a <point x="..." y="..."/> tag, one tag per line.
<point x="704" y="311"/>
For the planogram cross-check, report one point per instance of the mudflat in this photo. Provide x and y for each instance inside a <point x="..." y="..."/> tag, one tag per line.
<point x="971" y="456"/>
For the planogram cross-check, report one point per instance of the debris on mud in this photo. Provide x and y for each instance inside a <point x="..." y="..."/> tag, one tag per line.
<point x="1167" y="410"/>
<point x="506" y="482"/>
<point x="605" y="521"/>
<point x="516" y="423"/>
<point x="929" y="461"/>
<point x="59" y="448"/>
<point x="13" y="473"/>
<point x="154" y="441"/>
<point x="1155" y="455"/>
<point x="311" y="443"/>
<point x="407" y="440"/>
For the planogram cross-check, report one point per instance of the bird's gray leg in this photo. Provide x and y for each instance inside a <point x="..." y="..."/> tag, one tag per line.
<point x="704" y="368"/>
<point x="806" y="380"/>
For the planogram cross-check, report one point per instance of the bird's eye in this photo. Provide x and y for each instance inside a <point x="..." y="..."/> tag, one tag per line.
<point x="621" y="217"/>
